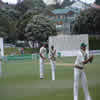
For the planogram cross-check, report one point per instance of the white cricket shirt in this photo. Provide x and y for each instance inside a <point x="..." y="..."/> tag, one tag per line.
<point x="82" y="56"/>
<point x="43" y="51"/>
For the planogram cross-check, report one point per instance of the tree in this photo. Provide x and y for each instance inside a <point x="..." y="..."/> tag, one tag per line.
<point x="30" y="4"/>
<point x="88" y="22"/>
<point x="67" y="3"/>
<point x="39" y="28"/>
<point x="97" y="2"/>
<point x="8" y="20"/>
<point x="35" y="27"/>
<point x="57" y="3"/>
<point x="60" y="4"/>
<point x="23" y="22"/>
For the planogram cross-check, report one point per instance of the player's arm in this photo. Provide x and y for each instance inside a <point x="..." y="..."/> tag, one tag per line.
<point x="41" y="50"/>
<point x="88" y="60"/>
<point x="55" y="53"/>
<point x="50" y="55"/>
<point x="91" y="59"/>
<point x="42" y="56"/>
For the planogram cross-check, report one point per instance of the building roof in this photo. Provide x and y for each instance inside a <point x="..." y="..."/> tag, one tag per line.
<point x="60" y="11"/>
<point x="80" y="5"/>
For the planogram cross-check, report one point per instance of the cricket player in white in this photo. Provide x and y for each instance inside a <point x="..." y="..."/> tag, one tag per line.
<point x="42" y="58"/>
<point x="52" y="56"/>
<point x="0" y="64"/>
<point x="79" y="73"/>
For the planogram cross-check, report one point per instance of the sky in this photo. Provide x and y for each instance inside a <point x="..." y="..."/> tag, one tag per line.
<point x="10" y="1"/>
<point x="46" y="1"/>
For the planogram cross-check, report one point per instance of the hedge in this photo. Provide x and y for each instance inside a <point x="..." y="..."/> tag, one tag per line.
<point x="15" y="51"/>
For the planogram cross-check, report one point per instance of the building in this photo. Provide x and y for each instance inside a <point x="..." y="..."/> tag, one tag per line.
<point x="63" y="18"/>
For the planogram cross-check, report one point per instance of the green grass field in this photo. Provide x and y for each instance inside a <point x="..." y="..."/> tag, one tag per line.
<point x="20" y="81"/>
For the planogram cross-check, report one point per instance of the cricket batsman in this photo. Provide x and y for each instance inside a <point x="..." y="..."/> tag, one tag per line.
<point x="42" y="59"/>
<point x="52" y="57"/>
<point x="79" y="73"/>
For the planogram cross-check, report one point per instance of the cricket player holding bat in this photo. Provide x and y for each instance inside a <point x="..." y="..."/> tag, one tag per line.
<point x="82" y="59"/>
<point x="42" y="58"/>
<point x="52" y="57"/>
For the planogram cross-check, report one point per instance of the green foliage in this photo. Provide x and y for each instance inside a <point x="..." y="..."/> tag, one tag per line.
<point x="67" y="3"/>
<point x="39" y="28"/>
<point x="8" y="20"/>
<point x="35" y="27"/>
<point x="15" y="51"/>
<point x="10" y="16"/>
<point x="30" y="4"/>
<point x="9" y="51"/>
<point x="94" y="43"/>
<point x="87" y="22"/>
<point x="15" y="19"/>
<point x="23" y="22"/>
<point x="97" y="2"/>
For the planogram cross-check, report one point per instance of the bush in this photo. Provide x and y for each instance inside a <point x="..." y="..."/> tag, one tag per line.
<point x="15" y="51"/>
<point x="94" y="43"/>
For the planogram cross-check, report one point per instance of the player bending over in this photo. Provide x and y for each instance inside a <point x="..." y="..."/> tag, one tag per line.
<point x="52" y="56"/>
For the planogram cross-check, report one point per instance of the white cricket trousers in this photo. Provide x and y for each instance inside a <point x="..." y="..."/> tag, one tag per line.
<point x="41" y="68"/>
<point x="0" y="70"/>
<point x="53" y="68"/>
<point x="80" y="74"/>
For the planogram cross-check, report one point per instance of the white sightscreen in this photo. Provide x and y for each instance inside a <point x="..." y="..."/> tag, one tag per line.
<point x="1" y="46"/>
<point x="68" y="45"/>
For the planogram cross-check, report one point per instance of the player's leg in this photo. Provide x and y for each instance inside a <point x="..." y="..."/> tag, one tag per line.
<point x="53" y="69"/>
<point x="41" y="69"/>
<point x="76" y="83"/>
<point x="85" y="86"/>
